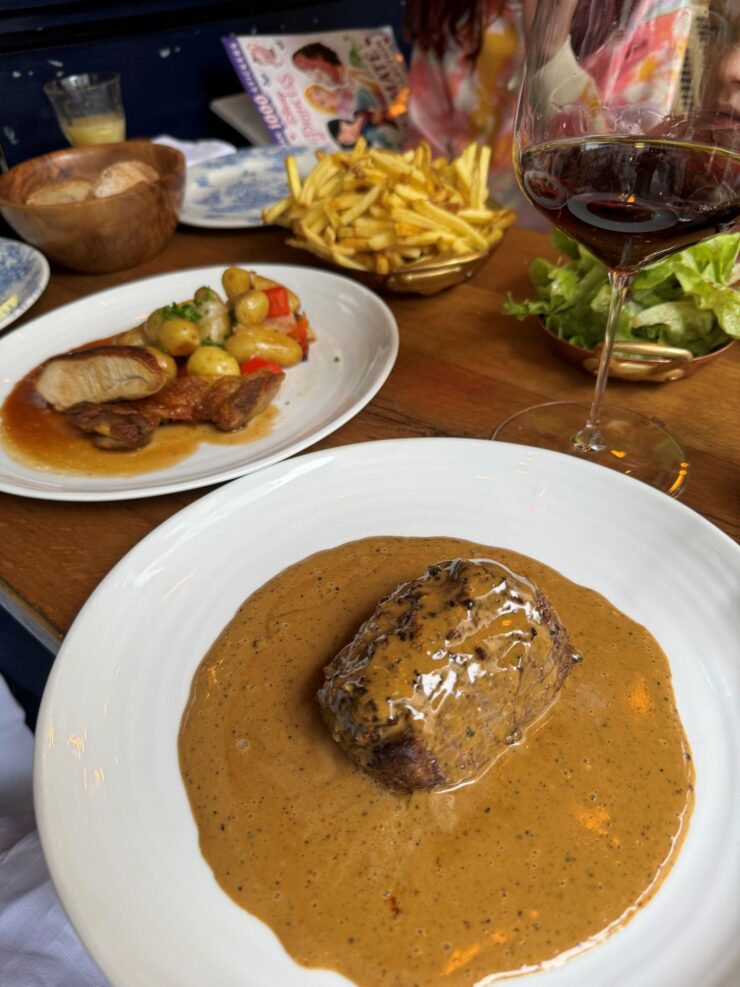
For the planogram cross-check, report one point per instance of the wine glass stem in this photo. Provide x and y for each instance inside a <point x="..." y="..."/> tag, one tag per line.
<point x="589" y="438"/>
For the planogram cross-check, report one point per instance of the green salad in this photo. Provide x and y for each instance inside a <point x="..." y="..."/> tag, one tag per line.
<point x="685" y="300"/>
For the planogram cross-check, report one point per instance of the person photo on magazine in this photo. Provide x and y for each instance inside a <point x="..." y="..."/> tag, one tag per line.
<point x="351" y="96"/>
<point x="321" y="64"/>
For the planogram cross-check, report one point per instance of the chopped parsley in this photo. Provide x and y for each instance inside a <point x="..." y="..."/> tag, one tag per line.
<point x="182" y="310"/>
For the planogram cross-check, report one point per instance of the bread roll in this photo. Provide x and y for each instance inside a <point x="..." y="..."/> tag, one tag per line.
<point x="123" y="175"/>
<point x="61" y="193"/>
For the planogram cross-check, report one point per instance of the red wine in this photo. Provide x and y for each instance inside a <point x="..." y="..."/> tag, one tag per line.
<point x="633" y="201"/>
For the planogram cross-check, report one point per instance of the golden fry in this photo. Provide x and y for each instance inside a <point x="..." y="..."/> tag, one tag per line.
<point x="390" y="163"/>
<point x="408" y="229"/>
<point x="450" y="221"/>
<point x="477" y="216"/>
<point x="381" y="240"/>
<point x="358" y="150"/>
<point x="333" y="216"/>
<point x="276" y="210"/>
<point x="368" y="227"/>
<point x="409" y="193"/>
<point x="479" y="192"/>
<point x="377" y="210"/>
<point x="354" y="243"/>
<point x="381" y="264"/>
<point x="345" y="201"/>
<point x="363" y="205"/>
<point x="426" y="239"/>
<point x="294" y="179"/>
<point x="345" y="261"/>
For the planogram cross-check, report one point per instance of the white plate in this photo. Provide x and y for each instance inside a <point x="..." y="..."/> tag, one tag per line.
<point x="24" y="273"/>
<point x="232" y="191"/>
<point x="113" y="815"/>
<point x="355" y="350"/>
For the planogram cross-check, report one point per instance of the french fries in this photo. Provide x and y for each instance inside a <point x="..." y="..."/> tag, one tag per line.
<point x="374" y="210"/>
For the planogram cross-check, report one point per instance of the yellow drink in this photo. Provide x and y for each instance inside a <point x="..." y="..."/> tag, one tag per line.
<point x="98" y="128"/>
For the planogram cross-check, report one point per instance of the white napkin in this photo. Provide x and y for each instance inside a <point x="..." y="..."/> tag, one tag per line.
<point x="196" y="152"/>
<point x="38" y="946"/>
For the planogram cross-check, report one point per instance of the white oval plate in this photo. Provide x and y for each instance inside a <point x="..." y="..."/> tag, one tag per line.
<point x="24" y="273"/>
<point x="112" y="811"/>
<point x="355" y="349"/>
<point x="230" y="192"/>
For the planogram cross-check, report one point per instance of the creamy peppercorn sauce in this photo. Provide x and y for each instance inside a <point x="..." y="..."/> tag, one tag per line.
<point x="560" y="842"/>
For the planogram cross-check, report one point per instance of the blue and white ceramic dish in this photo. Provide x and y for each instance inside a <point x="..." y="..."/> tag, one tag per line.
<point x="232" y="191"/>
<point x="24" y="273"/>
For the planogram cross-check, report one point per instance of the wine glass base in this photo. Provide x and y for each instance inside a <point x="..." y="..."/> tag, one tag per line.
<point x="633" y="444"/>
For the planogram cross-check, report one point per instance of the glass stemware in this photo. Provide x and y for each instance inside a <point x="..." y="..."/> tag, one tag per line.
<point x="627" y="137"/>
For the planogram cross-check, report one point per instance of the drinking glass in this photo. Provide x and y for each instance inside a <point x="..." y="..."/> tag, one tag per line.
<point x="88" y="107"/>
<point x="627" y="137"/>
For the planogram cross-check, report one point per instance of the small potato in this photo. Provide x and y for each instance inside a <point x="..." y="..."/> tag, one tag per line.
<point x="250" y="341"/>
<point x="251" y="308"/>
<point x="213" y="317"/>
<point x="235" y="281"/>
<point x="206" y="294"/>
<point x="132" y="337"/>
<point x="176" y="310"/>
<point x="262" y="284"/>
<point x="212" y="361"/>
<point x="164" y="360"/>
<point x="178" y="337"/>
<point x="153" y="324"/>
<point x="294" y="301"/>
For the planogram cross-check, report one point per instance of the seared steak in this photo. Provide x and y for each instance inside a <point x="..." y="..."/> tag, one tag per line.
<point x="448" y="672"/>
<point x="227" y="402"/>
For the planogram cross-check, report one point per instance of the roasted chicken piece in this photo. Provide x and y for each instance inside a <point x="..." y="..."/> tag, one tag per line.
<point x="100" y="373"/>
<point x="227" y="402"/>
<point x="448" y="672"/>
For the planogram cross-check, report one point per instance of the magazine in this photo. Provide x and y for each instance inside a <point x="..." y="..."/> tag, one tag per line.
<point x="323" y="90"/>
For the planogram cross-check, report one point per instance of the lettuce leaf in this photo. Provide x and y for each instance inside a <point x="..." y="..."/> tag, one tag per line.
<point x="685" y="300"/>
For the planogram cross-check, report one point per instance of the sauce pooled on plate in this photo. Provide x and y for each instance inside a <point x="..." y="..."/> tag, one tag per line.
<point x="560" y="842"/>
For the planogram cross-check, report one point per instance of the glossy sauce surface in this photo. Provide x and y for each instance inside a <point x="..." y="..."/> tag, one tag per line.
<point x="39" y="437"/>
<point x="563" y="838"/>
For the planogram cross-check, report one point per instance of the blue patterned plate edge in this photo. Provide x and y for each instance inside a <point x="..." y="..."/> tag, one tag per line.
<point x="232" y="190"/>
<point x="24" y="274"/>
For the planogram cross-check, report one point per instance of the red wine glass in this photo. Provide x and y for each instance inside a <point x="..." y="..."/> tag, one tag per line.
<point x="627" y="137"/>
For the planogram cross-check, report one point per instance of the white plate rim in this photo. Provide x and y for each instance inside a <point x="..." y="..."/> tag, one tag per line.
<point x="677" y="963"/>
<point x="189" y="213"/>
<point x="75" y="488"/>
<point x="26" y="302"/>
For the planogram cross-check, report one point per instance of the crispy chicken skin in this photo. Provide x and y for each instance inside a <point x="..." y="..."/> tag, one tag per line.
<point x="226" y="402"/>
<point x="449" y="671"/>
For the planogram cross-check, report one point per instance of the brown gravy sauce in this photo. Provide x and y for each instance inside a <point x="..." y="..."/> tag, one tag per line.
<point x="562" y="840"/>
<point x="37" y="436"/>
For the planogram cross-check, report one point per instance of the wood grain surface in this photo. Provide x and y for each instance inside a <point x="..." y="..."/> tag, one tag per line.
<point x="462" y="369"/>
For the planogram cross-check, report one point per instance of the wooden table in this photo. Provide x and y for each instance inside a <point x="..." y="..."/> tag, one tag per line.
<point x="462" y="368"/>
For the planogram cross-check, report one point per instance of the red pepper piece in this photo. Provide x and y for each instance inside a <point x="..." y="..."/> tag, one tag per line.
<point x="279" y="302"/>
<point x="300" y="333"/>
<point x="259" y="363"/>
